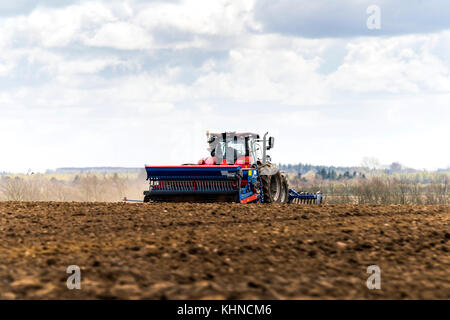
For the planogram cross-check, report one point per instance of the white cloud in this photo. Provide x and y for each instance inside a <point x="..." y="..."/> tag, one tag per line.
<point x="265" y="75"/>
<point x="119" y="35"/>
<point x="220" y="18"/>
<point x="91" y="83"/>
<point x="394" y="65"/>
<point x="5" y="68"/>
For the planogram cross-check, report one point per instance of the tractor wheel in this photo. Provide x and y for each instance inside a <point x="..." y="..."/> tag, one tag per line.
<point x="272" y="187"/>
<point x="284" y="189"/>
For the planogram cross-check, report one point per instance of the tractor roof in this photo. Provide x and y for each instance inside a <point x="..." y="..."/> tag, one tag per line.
<point x="238" y="134"/>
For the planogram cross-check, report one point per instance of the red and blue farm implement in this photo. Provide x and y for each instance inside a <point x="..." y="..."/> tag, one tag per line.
<point x="235" y="171"/>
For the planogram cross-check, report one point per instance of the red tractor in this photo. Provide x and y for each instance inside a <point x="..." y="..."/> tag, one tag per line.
<point x="238" y="169"/>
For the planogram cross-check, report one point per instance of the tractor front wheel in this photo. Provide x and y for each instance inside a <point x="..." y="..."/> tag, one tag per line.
<point x="272" y="187"/>
<point x="284" y="198"/>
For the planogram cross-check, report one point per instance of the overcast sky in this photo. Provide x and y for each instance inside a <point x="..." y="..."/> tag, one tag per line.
<point x="124" y="83"/>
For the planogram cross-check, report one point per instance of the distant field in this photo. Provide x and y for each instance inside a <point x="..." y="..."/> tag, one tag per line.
<point x="73" y="186"/>
<point x="373" y="188"/>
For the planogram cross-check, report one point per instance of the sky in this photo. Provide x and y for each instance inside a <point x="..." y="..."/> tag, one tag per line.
<point x="128" y="83"/>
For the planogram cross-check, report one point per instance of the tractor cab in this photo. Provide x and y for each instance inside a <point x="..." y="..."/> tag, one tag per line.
<point x="231" y="148"/>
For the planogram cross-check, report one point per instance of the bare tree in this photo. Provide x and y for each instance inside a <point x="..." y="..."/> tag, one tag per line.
<point x="13" y="189"/>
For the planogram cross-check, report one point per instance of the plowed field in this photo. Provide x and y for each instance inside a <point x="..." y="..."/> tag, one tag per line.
<point x="223" y="251"/>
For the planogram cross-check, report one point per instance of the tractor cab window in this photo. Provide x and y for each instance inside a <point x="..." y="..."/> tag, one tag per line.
<point x="257" y="150"/>
<point x="236" y="147"/>
<point x="230" y="150"/>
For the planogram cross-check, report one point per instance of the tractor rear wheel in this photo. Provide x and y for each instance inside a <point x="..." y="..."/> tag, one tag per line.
<point x="272" y="187"/>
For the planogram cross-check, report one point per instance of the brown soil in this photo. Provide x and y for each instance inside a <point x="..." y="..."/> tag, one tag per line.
<point x="223" y="251"/>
